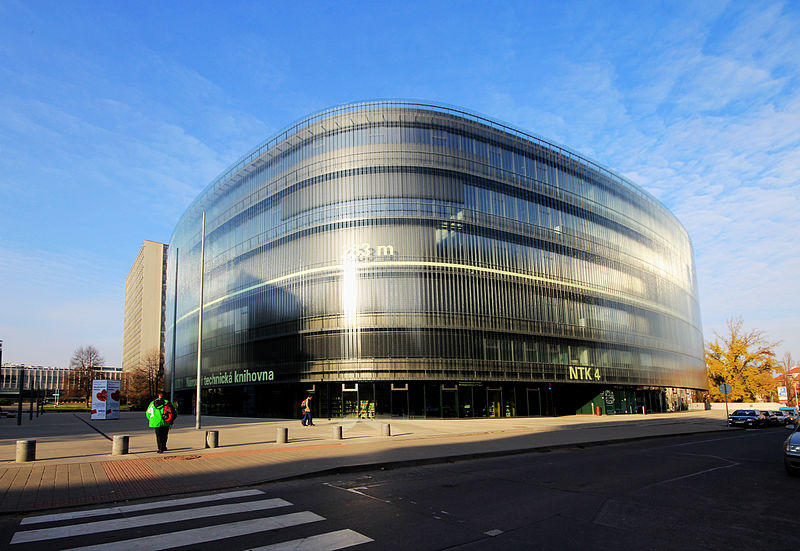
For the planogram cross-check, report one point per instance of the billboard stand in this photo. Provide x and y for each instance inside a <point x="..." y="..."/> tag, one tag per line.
<point x="105" y="399"/>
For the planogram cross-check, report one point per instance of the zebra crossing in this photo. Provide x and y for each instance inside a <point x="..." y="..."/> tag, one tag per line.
<point x="72" y="530"/>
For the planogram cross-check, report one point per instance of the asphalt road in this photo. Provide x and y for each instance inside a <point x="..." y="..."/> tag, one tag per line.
<point x="716" y="491"/>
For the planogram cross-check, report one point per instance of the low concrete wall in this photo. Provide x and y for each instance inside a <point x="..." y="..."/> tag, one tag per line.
<point x="746" y="405"/>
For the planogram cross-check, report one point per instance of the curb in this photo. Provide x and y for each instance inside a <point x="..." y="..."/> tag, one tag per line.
<point x="387" y="466"/>
<point x="379" y="466"/>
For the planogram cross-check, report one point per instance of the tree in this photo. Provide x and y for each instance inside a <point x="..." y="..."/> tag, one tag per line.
<point x="85" y="361"/>
<point x="743" y="359"/>
<point x="145" y="380"/>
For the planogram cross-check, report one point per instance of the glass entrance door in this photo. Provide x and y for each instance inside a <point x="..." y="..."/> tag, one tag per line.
<point x="494" y="402"/>
<point x="449" y="402"/>
<point x="400" y="402"/>
<point x="350" y="403"/>
<point x="534" y="401"/>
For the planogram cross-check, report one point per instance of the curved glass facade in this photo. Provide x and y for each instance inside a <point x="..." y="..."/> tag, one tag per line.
<point x="395" y="247"/>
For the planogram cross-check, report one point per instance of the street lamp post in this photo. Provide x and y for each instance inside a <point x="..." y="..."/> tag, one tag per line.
<point x="796" y="405"/>
<point x="200" y="320"/>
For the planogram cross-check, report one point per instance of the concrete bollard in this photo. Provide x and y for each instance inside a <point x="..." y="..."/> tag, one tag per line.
<point x="386" y="429"/>
<point x="337" y="432"/>
<point x="26" y="451"/>
<point x="212" y="439"/>
<point x="282" y="435"/>
<point x="119" y="444"/>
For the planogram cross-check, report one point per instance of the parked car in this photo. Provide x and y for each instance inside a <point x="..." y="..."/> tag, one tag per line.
<point x="774" y="418"/>
<point x="791" y="452"/>
<point x="782" y="416"/>
<point x="751" y="418"/>
<point x="790" y="412"/>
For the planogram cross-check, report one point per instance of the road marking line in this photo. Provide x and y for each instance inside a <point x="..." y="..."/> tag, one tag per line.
<point x="356" y="491"/>
<point x="322" y="542"/>
<point x="731" y="437"/>
<point x="140" y="507"/>
<point x="145" y="520"/>
<point x="733" y="464"/>
<point x="207" y="533"/>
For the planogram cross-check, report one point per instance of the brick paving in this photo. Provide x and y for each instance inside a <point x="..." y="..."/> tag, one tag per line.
<point x="135" y="478"/>
<point x="74" y="465"/>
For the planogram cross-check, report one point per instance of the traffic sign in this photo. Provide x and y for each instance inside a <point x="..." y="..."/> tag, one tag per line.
<point x="725" y="388"/>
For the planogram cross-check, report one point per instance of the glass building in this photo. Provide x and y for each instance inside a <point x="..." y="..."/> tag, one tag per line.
<point x="409" y="259"/>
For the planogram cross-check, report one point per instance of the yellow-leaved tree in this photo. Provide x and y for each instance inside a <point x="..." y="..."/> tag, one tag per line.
<point x="743" y="359"/>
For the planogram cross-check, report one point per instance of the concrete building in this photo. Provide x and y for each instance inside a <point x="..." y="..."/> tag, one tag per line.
<point x="62" y="381"/>
<point x="418" y="260"/>
<point x="145" y="289"/>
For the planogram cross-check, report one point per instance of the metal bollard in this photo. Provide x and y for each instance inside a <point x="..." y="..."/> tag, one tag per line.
<point x="119" y="444"/>
<point x="282" y="435"/>
<point x="26" y="451"/>
<point x="337" y="432"/>
<point x="212" y="438"/>
<point x="386" y="429"/>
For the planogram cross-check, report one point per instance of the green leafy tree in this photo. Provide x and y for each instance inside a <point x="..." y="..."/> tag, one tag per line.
<point x="743" y="359"/>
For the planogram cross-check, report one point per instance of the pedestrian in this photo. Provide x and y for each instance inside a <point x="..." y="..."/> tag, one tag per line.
<point x="161" y="413"/>
<point x="305" y="407"/>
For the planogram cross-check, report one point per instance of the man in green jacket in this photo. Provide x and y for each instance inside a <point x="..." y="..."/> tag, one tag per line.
<point x="161" y="413"/>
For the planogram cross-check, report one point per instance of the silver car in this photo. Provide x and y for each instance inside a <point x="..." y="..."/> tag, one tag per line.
<point x="791" y="452"/>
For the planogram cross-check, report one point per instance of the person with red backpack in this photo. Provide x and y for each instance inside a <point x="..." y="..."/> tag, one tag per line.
<point x="161" y="413"/>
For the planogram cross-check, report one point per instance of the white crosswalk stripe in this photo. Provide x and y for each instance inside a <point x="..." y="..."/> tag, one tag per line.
<point x="140" y="507"/>
<point x="169" y="517"/>
<point x="321" y="542"/>
<point x="74" y="536"/>
<point x="207" y="533"/>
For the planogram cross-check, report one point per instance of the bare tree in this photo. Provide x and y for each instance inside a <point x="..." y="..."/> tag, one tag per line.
<point x="146" y="378"/>
<point x="85" y="361"/>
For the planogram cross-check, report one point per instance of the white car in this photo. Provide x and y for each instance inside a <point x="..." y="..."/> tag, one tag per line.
<point x="791" y="452"/>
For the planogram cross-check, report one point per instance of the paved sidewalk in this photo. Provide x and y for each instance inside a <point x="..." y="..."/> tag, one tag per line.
<point x="74" y="465"/>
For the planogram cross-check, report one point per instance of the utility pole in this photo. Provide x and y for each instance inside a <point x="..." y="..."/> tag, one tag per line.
<point x="21" y="377"/>
<point x="174" y="330"/>
<point x="200" y="319"/>
<point x="31" y="390"/>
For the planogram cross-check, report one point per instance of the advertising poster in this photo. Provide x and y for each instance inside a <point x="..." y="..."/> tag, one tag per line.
<point x="99" y="395"/>
<point x="105" y="399"/>
<point x="112" y="400"/>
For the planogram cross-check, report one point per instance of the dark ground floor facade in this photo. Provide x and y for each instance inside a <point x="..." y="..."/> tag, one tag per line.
<point x="433" y="400"/>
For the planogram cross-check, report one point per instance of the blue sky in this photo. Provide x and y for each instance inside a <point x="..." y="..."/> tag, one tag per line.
<point x="114" y="115"/>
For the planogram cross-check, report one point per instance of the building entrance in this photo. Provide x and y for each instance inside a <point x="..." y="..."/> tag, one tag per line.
<point x="494" y="402"/>
<point x="350" y="405"/>
<point x="534" y="402"/>
<point x="399" y="398"/>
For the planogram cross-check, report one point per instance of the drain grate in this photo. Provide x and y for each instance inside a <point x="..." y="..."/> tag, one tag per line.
<point x="179" y="458"/>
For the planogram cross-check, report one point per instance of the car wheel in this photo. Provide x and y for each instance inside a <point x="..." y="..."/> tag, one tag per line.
<point x="791" y="471"/>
